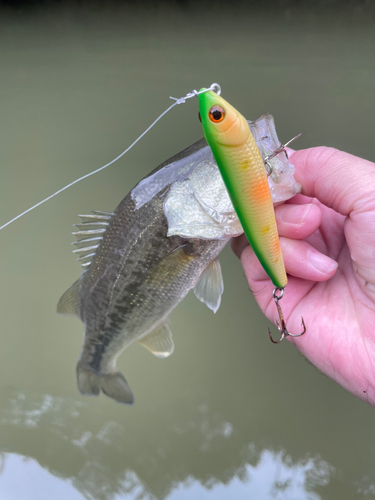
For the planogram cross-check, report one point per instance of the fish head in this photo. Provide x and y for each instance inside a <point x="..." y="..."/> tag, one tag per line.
<point x="222" y="124"/>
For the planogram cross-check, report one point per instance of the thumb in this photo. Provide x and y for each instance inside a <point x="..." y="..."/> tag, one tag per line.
<point x="338" y="180"/>
<point x="346" y="184"/>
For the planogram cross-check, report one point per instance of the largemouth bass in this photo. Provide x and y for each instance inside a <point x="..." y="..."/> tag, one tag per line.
<point x="141" y="260"/>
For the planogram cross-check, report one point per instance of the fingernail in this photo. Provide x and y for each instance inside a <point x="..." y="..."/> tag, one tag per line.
<point x="295" y="214"/>
<point x="323" y="263"/>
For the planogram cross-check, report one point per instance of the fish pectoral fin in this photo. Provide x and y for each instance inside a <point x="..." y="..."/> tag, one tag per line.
<point x="68" y="304"/>
<point x="159" y="341"/>
<point x="210" y="286"/>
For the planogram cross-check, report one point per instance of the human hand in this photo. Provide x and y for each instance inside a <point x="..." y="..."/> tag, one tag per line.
<point x="327" y="237"/>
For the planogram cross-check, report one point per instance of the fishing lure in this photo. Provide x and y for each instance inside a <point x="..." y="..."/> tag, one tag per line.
<point x="245" y="177"/>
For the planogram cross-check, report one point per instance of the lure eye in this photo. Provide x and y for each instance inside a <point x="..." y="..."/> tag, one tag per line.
<point x="216" y="114"/>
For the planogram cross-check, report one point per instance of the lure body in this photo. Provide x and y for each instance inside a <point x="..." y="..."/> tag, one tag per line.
<point x="245" y="178"/>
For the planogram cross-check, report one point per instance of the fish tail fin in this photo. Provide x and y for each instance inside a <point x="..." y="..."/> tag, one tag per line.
<point x="87" y="381"/>
<point x="113" y="385"/>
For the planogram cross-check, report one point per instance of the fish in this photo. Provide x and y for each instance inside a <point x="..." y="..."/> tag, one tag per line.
<point x="142" y="259"/>
<point x="242" y="168"/>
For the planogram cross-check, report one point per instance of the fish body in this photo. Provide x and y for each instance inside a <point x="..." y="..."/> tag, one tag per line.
<point x="134" y="280"/>
<point x="242" y="168"/>
<point x="141" y="260"/>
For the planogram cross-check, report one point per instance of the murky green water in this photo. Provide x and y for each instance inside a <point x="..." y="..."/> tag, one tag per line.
<point x="229" y="415"/>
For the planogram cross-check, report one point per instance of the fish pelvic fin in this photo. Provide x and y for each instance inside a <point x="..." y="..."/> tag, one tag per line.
<point x="68" y="304"/>
<point x="210" y="286"/>
<point x="113" y="385"/>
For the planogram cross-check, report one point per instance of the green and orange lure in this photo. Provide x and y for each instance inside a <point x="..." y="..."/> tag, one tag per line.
<point x="245" y="177"/>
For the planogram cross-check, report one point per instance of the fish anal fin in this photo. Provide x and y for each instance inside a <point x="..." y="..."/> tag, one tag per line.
<point x="68" y="304"/>
<point x="159" y="341"/>
<point x="210" y="286"/>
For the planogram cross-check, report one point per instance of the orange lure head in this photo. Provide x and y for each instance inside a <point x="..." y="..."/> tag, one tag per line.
<point x="222" y="124"/>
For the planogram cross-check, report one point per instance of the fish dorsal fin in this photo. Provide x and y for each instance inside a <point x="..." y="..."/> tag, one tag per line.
<point x="159" y="341"/>
<point x="210" y="286"/>
<point x="89" y="235"/>
<point x="68" y="304"/>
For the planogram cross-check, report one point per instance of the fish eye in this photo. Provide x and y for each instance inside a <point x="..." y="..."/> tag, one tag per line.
<point x="199" y="117"/>
<point x="216" y="114"/>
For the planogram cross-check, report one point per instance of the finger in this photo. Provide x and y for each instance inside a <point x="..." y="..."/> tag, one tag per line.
<point x="297" y="221"/>
<point x="238" y="244"/>
<point x="293" y="221"/>
<point x="290" y="151"/>
<point x="300" y="259"/>
<point x="346" y="184"/>
<point x="300" y="199"/>
<point x="331" y="226"/>
<point x="339" y="180"/>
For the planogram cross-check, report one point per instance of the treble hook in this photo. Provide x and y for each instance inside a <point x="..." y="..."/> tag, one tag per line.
<point x="282" y="326"/>
<point x="277" y="151"/>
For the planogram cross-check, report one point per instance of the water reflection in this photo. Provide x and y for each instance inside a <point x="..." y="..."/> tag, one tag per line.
<point x="36" y="481"/>
<point x="274" y="476"/>
<point x="104" y="464"/>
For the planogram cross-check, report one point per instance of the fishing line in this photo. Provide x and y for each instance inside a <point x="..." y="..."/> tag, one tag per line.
<point x="215" y="87"/>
